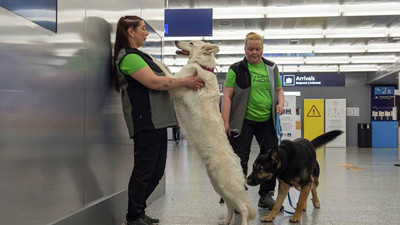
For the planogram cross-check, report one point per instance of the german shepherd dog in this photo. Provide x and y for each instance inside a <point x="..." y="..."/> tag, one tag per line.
<point x="293" y="163"/>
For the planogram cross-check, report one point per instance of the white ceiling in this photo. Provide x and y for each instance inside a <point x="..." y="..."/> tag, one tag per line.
<point x="337" y="40"/>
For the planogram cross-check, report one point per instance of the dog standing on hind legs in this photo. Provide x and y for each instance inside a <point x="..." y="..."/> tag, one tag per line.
<point x="293" y="163"/>
<point x="199" y="113"/>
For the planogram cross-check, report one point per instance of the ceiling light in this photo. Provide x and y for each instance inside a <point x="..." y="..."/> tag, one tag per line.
<point x="239" y="13"/>
<point x="303" y="11"/>
<point x="376" y="9"/>
<point x="356" y="33"/>
<point x="327" y="60"/>
<point x="292" y="33"/>
<point x="359" y="68"/>
<point x="288" y="69"/>
<point x="288" y="49"/>
<point x="307" y="68"/>
<point x="339" y="48"/>
<point x="228" y="35"/>
<point x="374" y="59"/>
<point x="187" y="38"/>
<point x="295" y="11"/>
<point x="287" y="60"/>
<point x="394" y="32"/>
<point x="228" y="61"/>
<point x="392" y="47"/>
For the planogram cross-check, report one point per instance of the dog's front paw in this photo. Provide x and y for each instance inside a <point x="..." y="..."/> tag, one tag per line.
<point x="316" y="203"/>
<point x="295" y="218"/>
<point x="268" y="218"/>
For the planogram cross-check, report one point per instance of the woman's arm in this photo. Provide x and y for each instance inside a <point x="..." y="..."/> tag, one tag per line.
<point x="147" y="77"/>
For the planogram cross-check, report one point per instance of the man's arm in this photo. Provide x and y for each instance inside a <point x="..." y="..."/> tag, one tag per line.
<point x="281" y="100"/>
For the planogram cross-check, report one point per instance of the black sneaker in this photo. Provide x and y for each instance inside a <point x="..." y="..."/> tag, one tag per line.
<point x="267" y="201"/>
<point x="139" y="221"/>
<point x="152" y="220"/>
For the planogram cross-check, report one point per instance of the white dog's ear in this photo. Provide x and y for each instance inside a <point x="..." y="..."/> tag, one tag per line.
<point x="210" y="48"/>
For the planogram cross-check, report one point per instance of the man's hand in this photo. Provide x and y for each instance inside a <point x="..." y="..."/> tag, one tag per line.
<point x="279" y="109"/>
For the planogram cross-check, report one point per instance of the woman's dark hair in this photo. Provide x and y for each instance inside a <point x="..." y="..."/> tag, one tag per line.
<point x="122" y="41"/>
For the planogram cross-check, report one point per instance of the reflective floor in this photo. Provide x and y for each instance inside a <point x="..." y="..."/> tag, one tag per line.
<point x="357" y="186"/>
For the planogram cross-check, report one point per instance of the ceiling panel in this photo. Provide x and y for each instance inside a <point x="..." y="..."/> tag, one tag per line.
<point x="338" y="37"/>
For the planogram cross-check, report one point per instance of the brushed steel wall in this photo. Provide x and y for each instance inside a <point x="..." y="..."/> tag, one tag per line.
<point x="63" y="139"/>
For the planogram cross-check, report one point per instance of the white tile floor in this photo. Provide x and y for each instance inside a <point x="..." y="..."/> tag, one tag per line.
<point x="357" y="186"/>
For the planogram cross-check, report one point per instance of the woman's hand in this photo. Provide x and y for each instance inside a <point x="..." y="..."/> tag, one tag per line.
<point x="193" y="83"/>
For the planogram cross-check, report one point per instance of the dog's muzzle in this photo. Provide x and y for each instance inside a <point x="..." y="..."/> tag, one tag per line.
<point x="251" y="181"/>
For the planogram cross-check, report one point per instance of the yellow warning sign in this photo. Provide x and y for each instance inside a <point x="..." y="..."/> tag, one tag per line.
<point x="313" y="112"/>
<point x="314" y="119"/>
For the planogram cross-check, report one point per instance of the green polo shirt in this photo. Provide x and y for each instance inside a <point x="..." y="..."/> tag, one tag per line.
<point x="259" y="103"/>
<point x="132" y="63"/>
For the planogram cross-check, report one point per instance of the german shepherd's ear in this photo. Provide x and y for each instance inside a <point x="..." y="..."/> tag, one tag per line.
<point x="274" y="155"/>
<point x="210" y="48"/>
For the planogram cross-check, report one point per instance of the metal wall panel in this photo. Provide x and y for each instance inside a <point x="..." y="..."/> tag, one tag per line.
<point x="41" y="125"/>
<point x="63" y="139"/>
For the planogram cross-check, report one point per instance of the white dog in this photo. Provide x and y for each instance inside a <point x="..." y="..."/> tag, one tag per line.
<point x="199" y="113"/>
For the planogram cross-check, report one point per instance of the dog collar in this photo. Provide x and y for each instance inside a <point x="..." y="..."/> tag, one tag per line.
<point x="207" y="68"/>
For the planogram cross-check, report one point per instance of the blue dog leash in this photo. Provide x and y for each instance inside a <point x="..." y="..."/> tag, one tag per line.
<point x="278" y="128"/>
<point x="279" y="133"/>
<point x="290" y="203"/>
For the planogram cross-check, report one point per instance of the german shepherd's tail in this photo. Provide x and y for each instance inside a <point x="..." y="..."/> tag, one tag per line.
<point x="325" y="138"/>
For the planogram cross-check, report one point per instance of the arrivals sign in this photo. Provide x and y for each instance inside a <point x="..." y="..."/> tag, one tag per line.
<point x="314" y="79"/>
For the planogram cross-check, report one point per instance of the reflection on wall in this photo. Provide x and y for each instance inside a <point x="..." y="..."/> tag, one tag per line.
<point x="63" y="138"/>
<point x="153" y="43"/>
<point x="41" y="12"/>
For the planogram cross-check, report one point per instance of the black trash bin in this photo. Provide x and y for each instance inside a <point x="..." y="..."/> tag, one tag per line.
<point x="364" y="135"/>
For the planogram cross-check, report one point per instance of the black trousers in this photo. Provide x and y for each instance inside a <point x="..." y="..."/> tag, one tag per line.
<point x="176" y="132"/>
<point x="150" y="157"/>
<point x="265" y="135"/>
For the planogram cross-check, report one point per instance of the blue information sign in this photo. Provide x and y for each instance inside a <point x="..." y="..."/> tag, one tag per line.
<point x="382" y="103"/>
<point x="384" y="90"/>
<point x="188" y="22"/>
